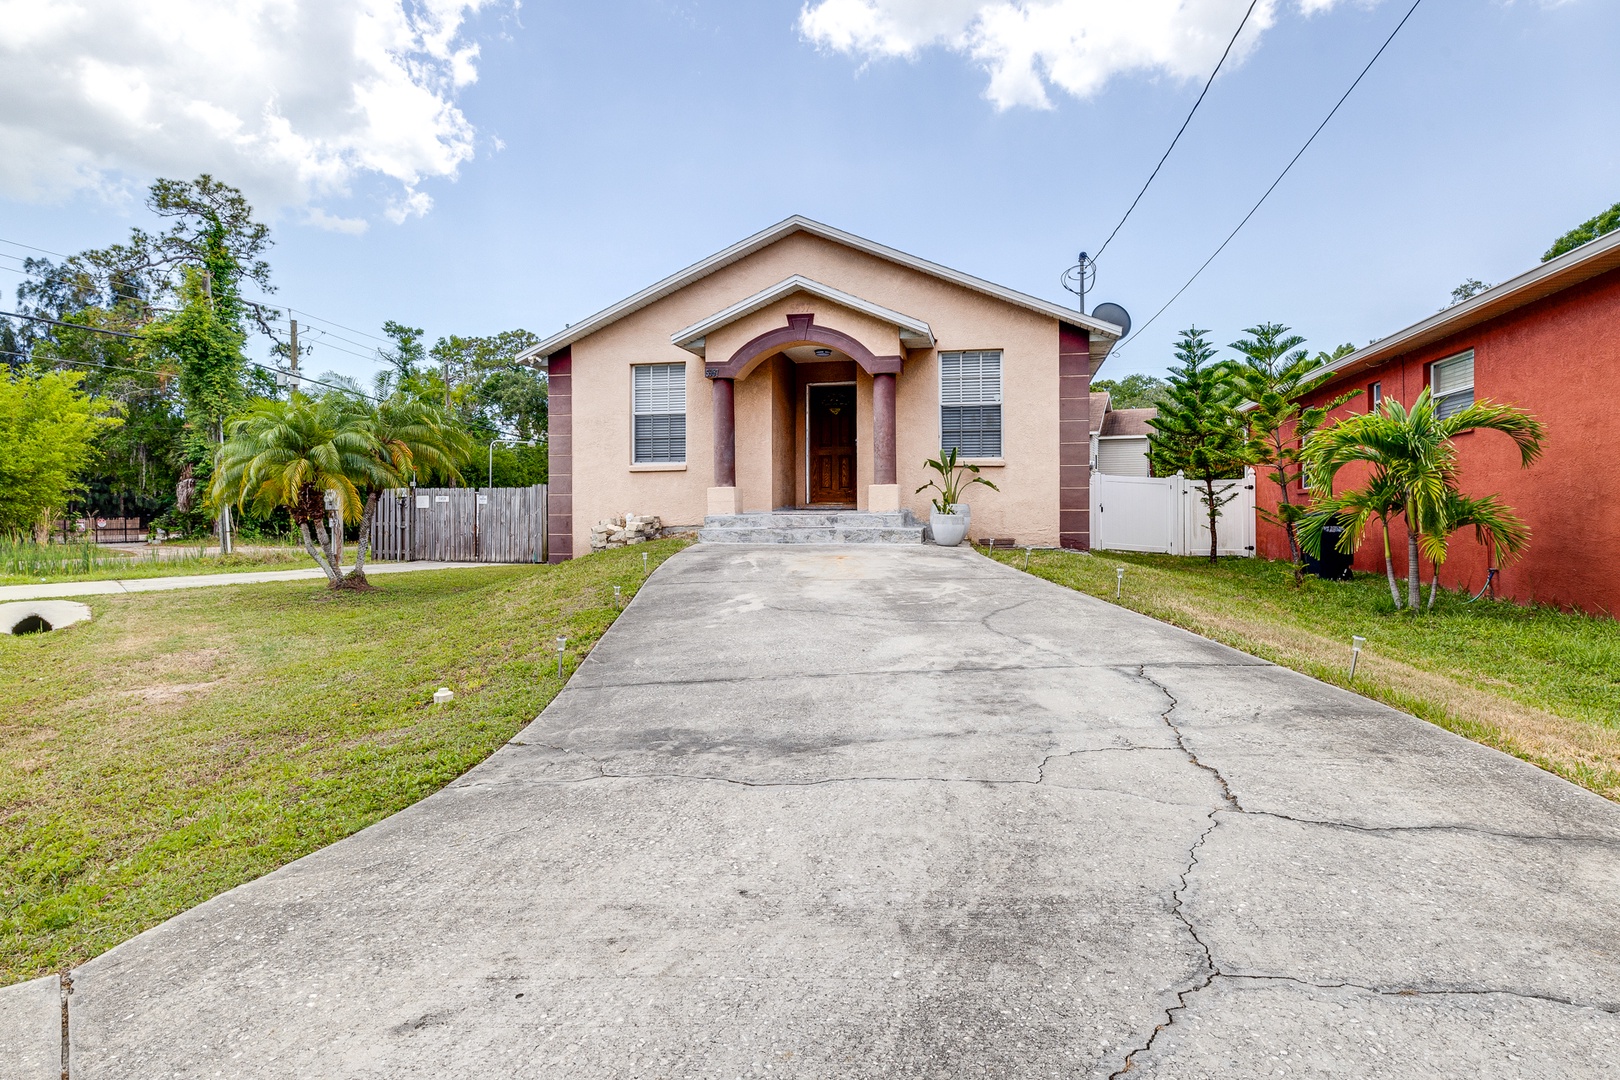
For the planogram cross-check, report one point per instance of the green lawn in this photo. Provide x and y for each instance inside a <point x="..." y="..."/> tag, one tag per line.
<point x="182" y="743"/>
<point x="1536" y="682"/>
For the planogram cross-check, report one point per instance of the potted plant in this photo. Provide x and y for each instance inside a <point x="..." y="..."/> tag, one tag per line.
<point x="948" y="523"/>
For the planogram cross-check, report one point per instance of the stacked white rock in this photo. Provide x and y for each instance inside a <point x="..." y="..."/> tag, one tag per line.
<point x="628" y="529"/>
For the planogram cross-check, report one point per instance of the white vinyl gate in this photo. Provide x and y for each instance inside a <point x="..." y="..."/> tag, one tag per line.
<point x="1167" y="514"/>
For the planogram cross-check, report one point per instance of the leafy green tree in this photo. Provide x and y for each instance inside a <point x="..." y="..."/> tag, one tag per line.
<point x="1585" y="232"/>
<point x="1413" y="463"/>
<point x="1198" y="431"/>
<point x="1274" y="376"/>
<point x="1467" y="291"/>
<point x="209" y="234"/>
<point x="1133" y="391"/>
<point x="408" y="352"/>
<point x="49" y="431"/>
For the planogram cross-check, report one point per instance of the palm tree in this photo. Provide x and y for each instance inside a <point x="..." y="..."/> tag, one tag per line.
<point x="1496" y="527"/>
<point x="1414" y="466"/>
<point x="416" y="441"/>
<point x="1273" y="377"/>
<point x="290" y="454"/>
<point x="1355" y="509"/>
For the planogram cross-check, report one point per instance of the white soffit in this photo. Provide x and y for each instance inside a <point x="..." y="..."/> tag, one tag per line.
<point x="914" y="333"/>
<point x="1103" y="334"/>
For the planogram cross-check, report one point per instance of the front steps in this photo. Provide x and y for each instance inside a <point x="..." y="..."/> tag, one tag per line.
<point x="813" y="527"/>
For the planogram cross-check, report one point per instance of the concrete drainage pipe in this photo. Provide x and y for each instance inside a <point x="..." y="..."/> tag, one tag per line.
<point x="39" y="616"/>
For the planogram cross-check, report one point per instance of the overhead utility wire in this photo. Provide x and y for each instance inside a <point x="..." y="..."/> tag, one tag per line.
<point x="31" y="247"/>
<point x="1179" y="131"/>
<point x="1280" y="176"/>
<point x="251" y="363"/>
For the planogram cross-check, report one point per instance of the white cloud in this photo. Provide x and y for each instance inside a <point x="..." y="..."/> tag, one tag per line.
<point x="291" y="100"/>
<point x="1027" y="46"/>
<point x="333" y="223"/>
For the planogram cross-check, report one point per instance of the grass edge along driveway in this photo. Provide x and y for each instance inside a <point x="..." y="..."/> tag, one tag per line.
<point x="1534" y="682"/>
<point x="182" y="743"/>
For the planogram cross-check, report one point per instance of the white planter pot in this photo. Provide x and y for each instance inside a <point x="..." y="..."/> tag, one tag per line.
<point x="947" y="529"/>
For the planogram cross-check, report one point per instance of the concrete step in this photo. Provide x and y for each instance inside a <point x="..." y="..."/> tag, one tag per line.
<point x="813" y="527"/>
<point x="814" y="519"/>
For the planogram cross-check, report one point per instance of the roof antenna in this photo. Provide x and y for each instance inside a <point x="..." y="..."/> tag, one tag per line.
<point x="1079" y="278"/>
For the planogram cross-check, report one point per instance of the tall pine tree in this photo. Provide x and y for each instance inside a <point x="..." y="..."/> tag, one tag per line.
<point x="1198" y="432"/>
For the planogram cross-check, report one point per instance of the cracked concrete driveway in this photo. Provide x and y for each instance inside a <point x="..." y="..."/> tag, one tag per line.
<point x="811" y="812"/>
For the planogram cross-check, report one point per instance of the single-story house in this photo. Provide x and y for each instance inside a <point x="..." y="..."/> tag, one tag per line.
<point x="807" y="368"/>
<point x="1547" y="341"/>
<point x="1119" y="437"/>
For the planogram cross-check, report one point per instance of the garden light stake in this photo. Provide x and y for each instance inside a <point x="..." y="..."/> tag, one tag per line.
<point x="1119" y="581"/>
<point x="562" y="643"/>
<point x="1356" y="642"/>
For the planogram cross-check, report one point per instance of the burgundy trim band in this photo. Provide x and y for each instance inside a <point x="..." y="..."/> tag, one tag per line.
<point x="802" y="330"/>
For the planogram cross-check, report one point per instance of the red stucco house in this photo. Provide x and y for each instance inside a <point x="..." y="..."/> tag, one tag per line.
<point x="1547" y="341"/>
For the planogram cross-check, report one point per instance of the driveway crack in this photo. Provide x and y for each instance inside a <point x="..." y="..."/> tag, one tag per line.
<point x="1207" y="972"/>
<point x="1226" y="789"/>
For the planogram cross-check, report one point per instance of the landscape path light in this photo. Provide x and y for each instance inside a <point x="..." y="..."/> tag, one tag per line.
<point x="618" y="599"/>
<point x="1356" y="642"/>
<point x="1026" y="557"/>
<point x="562" y="643"/>
<point x="1119" y="581"/>
<point x="643" y="564"/>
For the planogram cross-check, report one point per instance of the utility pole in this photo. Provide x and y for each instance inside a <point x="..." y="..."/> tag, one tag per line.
<point x="292" y="356"/>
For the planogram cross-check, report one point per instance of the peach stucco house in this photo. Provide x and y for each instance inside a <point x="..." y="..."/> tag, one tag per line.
<point x="806" y="368"/>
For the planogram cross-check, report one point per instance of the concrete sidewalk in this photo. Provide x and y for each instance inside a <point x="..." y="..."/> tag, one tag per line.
<point x="867" y="812"/>
<point x="198" y="581"/>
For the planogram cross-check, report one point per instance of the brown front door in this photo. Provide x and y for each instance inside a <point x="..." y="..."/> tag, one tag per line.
<point x="832" y="444"/>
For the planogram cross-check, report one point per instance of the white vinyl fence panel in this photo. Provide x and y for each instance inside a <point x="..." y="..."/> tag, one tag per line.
<point x="1167" y="514"/>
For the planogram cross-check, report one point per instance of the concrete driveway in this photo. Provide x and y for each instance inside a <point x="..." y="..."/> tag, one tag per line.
<point x="860" y="812"/>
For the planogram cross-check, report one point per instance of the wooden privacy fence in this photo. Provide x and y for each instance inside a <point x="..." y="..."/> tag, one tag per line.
<point x="495" y="525"/>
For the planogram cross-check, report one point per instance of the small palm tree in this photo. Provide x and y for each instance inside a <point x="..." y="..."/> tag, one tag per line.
<point x="290" y="454"/>
<point x="414" y="441"/>
<point x="1496" y="527"/>
<point x="1414" y="469"/>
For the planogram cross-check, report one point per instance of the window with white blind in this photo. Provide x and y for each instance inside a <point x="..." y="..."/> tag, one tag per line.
<point x="1453" y="381"/>
<point x="970" y="403"/>
<point x="658" y="393"/>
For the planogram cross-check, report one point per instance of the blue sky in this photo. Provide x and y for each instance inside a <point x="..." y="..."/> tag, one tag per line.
<point x="587" y="149"/>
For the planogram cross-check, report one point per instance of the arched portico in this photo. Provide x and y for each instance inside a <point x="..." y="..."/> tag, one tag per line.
<point x="802" y="331"/>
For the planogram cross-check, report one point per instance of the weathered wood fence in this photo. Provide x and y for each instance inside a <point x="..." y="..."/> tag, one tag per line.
<point x="495" y="525"/>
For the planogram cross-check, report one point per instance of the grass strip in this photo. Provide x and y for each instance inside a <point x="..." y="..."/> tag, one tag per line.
<point x="1533" y="681"/>
<point x="31" y="564"/>
<point x="182" y="743"/>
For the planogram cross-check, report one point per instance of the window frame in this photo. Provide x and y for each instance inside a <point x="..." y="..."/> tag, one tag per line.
<point x="1375" y="395"/>
<point x="1434" y="383"/>
<point x="1000" y="404"/>
<point x="636" y="460"/>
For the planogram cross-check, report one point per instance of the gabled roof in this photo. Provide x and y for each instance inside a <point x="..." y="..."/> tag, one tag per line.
<point x="1103" y="334"/>
<point x="1569" y="269"/>
<point x="1099" y="408"/>
<point x="1128" y="423"/>
<point x="914" y="333"/>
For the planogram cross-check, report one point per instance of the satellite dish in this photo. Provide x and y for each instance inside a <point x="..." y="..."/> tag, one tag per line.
<point x="1113" y="313"/>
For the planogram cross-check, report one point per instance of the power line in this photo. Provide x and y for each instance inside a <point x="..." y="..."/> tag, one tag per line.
<point x="340" y="326"/>
<point x="31" y="247"/>
<point x="1137" y="333"/>
<point x="1179" y="131"/>
<point x="70" y="326"/>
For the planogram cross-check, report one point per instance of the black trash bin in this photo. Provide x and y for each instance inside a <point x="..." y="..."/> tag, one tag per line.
<point x="1332" y="564"/>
